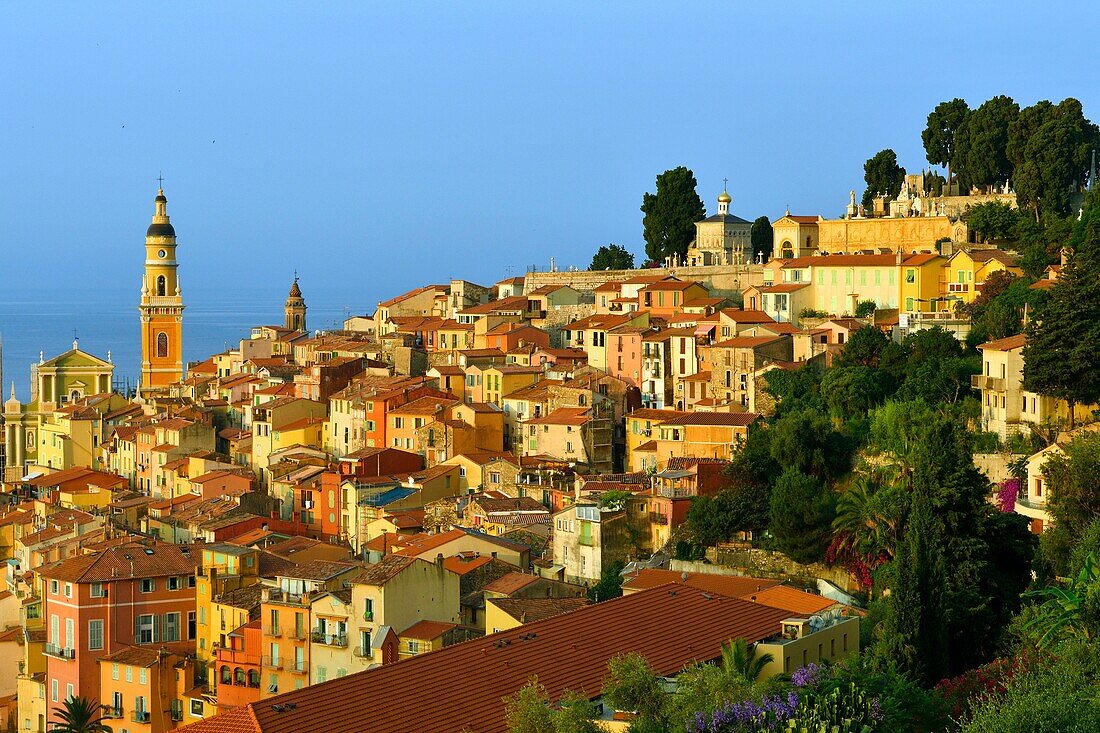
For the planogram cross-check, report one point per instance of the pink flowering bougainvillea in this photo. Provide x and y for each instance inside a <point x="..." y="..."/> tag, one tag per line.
<point x="1007" y="492"/>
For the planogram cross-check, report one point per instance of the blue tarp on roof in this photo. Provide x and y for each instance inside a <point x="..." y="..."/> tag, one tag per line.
<point x="388" y="496"/>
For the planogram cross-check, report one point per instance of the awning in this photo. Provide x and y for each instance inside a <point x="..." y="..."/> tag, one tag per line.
<point x="31" y="476"/>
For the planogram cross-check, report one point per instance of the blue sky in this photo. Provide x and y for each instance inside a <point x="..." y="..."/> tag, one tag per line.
<point x="376" y="146"/>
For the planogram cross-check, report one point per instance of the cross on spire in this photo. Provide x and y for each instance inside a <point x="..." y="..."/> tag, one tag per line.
<point x="725" y="181"/>
<point x="160" y="180"/>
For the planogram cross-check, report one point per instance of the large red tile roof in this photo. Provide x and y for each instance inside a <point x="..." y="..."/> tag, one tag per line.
<point x="671" y="627"/>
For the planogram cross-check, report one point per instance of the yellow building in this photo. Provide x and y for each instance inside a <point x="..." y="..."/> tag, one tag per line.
<point x="834" y="639"/>
<point x="55" y="384"/>
<point x="794" y="236"/>
<point x="641" y="428"/>
<point x="161" y="305"/>
<point x="921" y="285"/>
<point x="966" y="271"/>
<point x="881" y="235"/>
<point x="220" y="605"/>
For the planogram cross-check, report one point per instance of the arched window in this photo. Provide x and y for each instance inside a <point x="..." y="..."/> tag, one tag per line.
<point x="253" y="678"/>
<point x="808" y="240"/>
<point x="161" y="284"/>
<point x="238" y="676"/>
<point x="227" y="677"/>
<point x="162" y="345"/>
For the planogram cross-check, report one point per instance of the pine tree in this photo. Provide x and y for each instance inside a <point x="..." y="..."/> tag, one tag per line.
<point x="671" y="213"/>
<point x="1062" y="354"/>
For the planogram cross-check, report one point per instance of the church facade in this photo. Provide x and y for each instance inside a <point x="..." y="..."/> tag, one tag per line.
<point x="721" y="239"/>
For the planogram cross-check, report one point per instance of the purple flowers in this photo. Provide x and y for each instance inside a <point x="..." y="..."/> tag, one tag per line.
<point x="807" y="676"/>
<point x="747" y="715"/>
<point x="1007" y="493"/>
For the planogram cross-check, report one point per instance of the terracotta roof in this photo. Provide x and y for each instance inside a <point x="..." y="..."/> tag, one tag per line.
<point x="715" y="418"/>
<point x="563" y="416"/>
<point x="416" y="546"/>
<point x="521" y="504"/>
<point x="566" y="652"/>
<point x="461" y="564"/>
<point x="509" y="583"/>
<point x="1010" y="343"/>
<point x="746" y="316"/>
<point x="526" y="610"/>
<point x="801" y="219"/>
<point x="319" y="570"/>
<point x="127" y="562"/>
<point x="427" y="630"/>
<point x="672" y="285"/>
<point x="384" y="571"/>
<point x="840" y="261"/>
<point x="746" y="342"/>
<point x="649" y="413"/>
<point x="793" y="599"/>
<point x="783" y="287"/>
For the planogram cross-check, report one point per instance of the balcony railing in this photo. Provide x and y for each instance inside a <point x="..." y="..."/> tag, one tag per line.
<point x="113" y="713"/>
<point x="140" y="716"/>
<point x="272" y="662"/>
<point x="273" y="631"/>
<point x="329" y="639"/>
<point x="60" y="652"/>
<point x="299" y="634"/>
<point x="980" y="381"/>
<point x="298" y="666"/>
<point x="364" y="652"/>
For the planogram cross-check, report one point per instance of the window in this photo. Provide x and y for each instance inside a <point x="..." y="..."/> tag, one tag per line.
<point x="196" y="708"/>
<point x="143" y="676"/>
<point x="70" y="633"/>
<point x="95" y="634"/>
<point x="98" y="590"/>
<point x="161" y="285"/>
<point x="53" y="690"/>
<point x="129" y="673"/>
<point x="54" y="587"/>
<point x="148" y="585"/>
<point x="162" y="345"/>
<point x="910" y="276"/>
<point x="144" y="632"/>
<point x="114" y="671"/>
<point x="70" y="691"/>
<point x="116" y="703"/>
<point x="414" y="646"/>
<point x="172" y="626"/>
<point x="226" y="675"/>
<point x="322" y="674"/>
<point x="68" y="590"/>
<point x="174" y="583"/>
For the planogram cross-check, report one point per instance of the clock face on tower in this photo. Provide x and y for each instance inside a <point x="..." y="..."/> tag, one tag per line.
<point x="162" y="254"/>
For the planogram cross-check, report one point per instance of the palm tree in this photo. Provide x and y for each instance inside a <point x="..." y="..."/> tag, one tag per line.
<point x="865" y="525"/>
<point x="80" y="715"/>
<point x="738" y="658"/>
<point x="1060" y="614"/>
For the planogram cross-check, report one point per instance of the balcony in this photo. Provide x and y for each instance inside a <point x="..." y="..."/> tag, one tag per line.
<point x="297" y="666"/>
<point x="273" y="631"/>
<point x="363" y="652"/>
<point x="329" y="639"/>
<point x="995" y="384"/>
<point x="113" y="713"/>
<point x="59" y="652"/>
<point x="272" y="662"/>
<point x="297" y="634"/>
<point x="140" y="716"/>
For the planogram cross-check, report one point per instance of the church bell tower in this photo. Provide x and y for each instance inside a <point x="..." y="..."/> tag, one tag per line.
<point x="294" y="310"/>
<point x="161" y="305"/>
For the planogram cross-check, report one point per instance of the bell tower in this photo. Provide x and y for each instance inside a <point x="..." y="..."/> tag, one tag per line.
<point x="294" y="310"/>
<point x="161" y="305"/>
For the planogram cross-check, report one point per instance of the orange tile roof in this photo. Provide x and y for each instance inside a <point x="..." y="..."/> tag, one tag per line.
<point x="1010" y="343"/>
<point x="126" y="562"/>
<point x="568" y="651"/>
<point x="715" y="418"/>
<point x="509" y="583"/>
<point x="427" y="630"/>
<point x="526" y="610"/>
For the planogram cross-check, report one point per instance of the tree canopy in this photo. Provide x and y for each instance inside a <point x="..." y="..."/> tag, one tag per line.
<point x="612" y="257"/>
<point x="939" y="133"/>
<point x="883" y="175"/>
<point x="1062" y="355"/>
<point x="761" y="237"/>
<point x="981" y="144"/>
<point x="671" y="213"/>
<point x="1050" y="148"/>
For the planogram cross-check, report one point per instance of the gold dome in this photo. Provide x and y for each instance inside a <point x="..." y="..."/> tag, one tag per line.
<point x="724" y="197"/>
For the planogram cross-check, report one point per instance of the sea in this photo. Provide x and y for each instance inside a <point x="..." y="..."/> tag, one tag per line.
<point x="43" y="320"/>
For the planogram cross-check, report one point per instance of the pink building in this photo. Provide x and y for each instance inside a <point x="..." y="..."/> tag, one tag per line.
<point x="134" y="594"/>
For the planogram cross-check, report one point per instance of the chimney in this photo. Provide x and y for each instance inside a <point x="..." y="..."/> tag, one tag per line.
<point x="439" y="560"/>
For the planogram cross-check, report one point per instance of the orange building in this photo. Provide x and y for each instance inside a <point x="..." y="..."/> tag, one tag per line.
<point x="161" y="305"/>
<point x="238" y="667"/>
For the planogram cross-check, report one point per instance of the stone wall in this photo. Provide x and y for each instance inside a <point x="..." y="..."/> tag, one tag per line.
<point x="767" y="564"/>
<point x="721" y="279"/>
